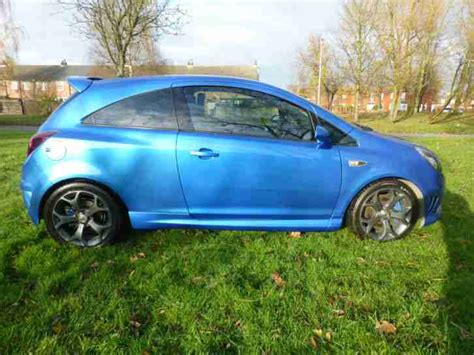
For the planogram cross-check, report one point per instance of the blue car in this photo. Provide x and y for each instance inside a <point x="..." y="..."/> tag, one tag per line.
<point x="218" y="153"/>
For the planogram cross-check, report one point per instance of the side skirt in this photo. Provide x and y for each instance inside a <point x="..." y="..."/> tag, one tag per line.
<point x="145" y="220"/>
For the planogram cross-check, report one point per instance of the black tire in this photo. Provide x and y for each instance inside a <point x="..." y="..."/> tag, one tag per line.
<point x="85" y="210"/>
<point x="362" y="213"/>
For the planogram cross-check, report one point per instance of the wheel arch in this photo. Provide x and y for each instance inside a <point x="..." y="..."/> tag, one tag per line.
<point x="411" y="185"/>
<point x="58" y="184"/>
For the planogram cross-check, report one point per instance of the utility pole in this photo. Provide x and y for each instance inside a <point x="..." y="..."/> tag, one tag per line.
<point x="320" y="69"/>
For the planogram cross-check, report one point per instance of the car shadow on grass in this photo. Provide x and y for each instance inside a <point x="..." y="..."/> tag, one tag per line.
<point x="458" y="232"/>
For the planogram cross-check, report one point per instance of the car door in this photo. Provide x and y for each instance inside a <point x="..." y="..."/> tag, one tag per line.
<point x="244" y="153"/>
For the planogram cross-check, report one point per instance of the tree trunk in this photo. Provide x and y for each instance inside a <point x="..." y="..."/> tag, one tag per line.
<point x="356" y="104"/>
<point x="22" y="102"/>
<point x="419" y="88"/>
<point x="419" y="100"/>
<point x="395" y="105"/>
<point x="331" y="100"/>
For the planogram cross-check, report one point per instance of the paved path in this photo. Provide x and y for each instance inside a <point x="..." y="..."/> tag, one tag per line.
<point x="408" y="135"/>
<point x="433" y="135"/>
<point x="19" y="128"/>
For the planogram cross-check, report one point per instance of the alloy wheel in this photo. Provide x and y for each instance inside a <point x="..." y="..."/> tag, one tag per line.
<point x="386" y="213"/>
<point x="82" y="218"/>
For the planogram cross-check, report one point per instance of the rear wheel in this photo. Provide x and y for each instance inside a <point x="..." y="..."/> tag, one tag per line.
<point x="83" y="214"/>
<point x="383" y="211"/>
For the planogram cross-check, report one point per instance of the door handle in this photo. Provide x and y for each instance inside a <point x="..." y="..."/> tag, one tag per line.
<point x="204" y="153"/>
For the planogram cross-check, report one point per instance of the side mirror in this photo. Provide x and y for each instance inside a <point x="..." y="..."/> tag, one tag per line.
<point x="322" y="137"/>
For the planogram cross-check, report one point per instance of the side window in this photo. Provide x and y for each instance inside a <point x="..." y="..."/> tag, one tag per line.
<point x="337" y="136"/>
<point x="149" y="110"/>
<point x="243" y="112"/>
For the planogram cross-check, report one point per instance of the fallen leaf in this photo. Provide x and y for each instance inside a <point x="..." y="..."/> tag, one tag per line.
<point x="314" y="342"/>
<point x="237" y="324"/>
<point x="381" y="263"/>
<point x="58" y="328"/>
<point x="198" y="280"/>
<point x="385" y="327"/>
<point x="278" y="280"/>
<point x="318" y="332"/>
<point x="295" y="235"/>
<point x="328" y="336"/>
<point x="140" y="255"/>
<point x="135" y="324"/>
<point x="339" y="312"/>
<point x="361" y="260"/>
<point x="95" y="265"/>
<point x="430" y="297"/>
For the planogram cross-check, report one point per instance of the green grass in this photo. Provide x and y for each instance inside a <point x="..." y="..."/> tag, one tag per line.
<point x="21" y="120"/>
<point x="205" y="291"/>
<point x="418" y="123"/>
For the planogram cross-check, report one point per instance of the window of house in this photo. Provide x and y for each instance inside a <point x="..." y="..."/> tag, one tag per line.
<point x="149" y="110"/>
<point x="14" y="85"/>
<point x="26" y="85"/>
<point x="243" y="112"/>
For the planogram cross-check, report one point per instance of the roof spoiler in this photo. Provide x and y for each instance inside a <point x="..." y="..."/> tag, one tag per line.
<point x="80" y="83"/>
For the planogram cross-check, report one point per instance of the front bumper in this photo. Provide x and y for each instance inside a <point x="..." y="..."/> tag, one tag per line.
<point x="433" y="202"/>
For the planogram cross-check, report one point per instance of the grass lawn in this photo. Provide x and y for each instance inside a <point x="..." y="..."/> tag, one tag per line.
<point x="418" y="123"/>
<point x="21" y="120"/>
<point x="206" y="291"/>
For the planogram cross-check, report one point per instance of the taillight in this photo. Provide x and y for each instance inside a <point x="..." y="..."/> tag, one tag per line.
<point x="37" y="140"/>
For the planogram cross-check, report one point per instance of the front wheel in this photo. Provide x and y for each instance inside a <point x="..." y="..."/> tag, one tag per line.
<point x="383" y="211"/>
<point x="83" y="214"/>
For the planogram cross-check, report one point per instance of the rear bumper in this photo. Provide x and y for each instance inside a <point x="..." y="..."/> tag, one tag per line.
<point x="27" y="194"/>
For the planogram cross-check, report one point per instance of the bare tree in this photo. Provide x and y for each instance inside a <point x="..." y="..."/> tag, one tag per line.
<point x="462" y="83"/>
<point x="309" y="70"/>
<point x="430" y="26"/>
<point x="124" y="28"/>
<point x="397" y="32"/>
<point x="356" y="40"/>
<point x="10" y="34"/>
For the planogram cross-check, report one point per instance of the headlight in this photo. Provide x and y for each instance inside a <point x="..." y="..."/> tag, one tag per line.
<point x="430" y="157"/>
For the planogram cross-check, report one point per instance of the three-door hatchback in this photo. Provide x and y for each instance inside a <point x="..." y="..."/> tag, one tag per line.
<point x="216" y="152"/>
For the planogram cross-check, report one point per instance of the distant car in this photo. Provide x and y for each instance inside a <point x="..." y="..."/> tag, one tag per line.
<point x="218" y="153"/>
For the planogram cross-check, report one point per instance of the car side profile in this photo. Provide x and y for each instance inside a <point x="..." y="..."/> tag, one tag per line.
<point x="218" y="153"/>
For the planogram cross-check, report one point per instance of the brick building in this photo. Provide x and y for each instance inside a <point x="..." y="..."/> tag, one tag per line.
<point x="344" y="100"/>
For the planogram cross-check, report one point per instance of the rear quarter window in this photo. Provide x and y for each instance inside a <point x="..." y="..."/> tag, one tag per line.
<point x="149" y="110"/>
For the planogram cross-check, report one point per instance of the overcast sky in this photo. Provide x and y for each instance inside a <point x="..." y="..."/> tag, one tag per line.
<point x="219" y="32"/>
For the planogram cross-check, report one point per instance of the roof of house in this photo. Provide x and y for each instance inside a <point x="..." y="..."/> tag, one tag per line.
<point x="61" y="72"/>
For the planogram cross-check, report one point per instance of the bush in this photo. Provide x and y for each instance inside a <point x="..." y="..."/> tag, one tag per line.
<point x="47" y="103"/>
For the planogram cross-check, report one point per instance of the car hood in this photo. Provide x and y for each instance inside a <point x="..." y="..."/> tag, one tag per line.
<point x="390" y="138"/>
